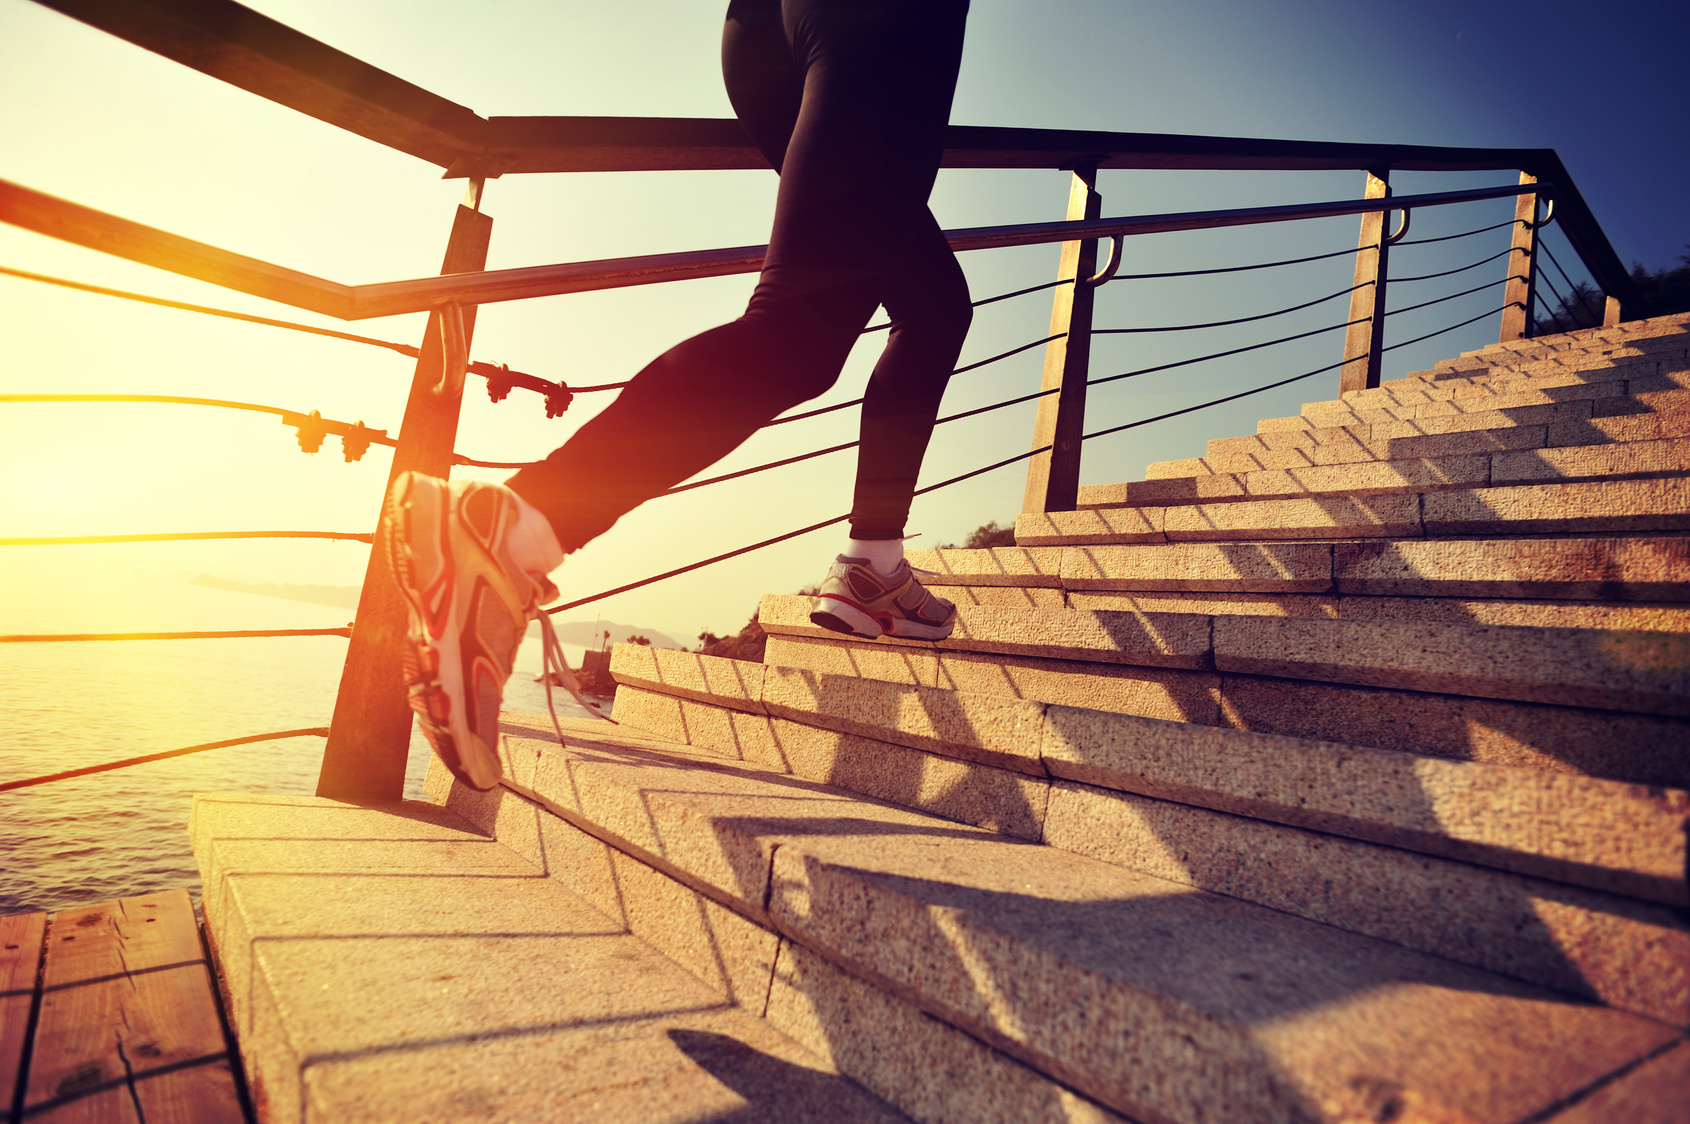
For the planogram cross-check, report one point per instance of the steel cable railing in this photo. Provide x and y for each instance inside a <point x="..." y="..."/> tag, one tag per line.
<point x="1453" y="237"/>
<point x="225" y="634"/>
<point x="108" y="766"/>
<point x="1222" y="354"/>
<point x="183" y="536"/>
<point x="1451" y="272"/>
<point x="786" y="461"/>
<point x="1595" y="314"/>
<point x="1239" y="320"/>
<point x="1562" y="301"/>
<point x="783" y="462"/>
<point x="486" y="370"/>
<point x="379" y="437"/>
<point x="1452" y="296"/>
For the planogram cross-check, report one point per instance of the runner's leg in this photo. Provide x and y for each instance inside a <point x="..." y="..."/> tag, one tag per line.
<point x="856" y="167"/>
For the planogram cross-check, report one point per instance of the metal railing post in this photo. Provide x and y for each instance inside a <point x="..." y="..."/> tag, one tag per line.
<point x="1053" y="477"/>
<point x="1521" y="290"/>
<point x="1364" y="341"/>
<point x="370" y="734"/>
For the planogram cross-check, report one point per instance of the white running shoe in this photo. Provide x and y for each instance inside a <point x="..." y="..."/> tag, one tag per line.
<point x="859" y="600"/>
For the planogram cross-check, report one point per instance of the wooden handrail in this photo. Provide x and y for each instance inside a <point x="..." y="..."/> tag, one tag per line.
<point x="84" y="226"/>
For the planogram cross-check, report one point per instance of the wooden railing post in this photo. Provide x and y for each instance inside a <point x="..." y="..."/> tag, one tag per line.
<point x="1364" y="340"/>
<point x="1053" y="477"/>
<point x="1517" y="296"/>
<point x="370" y="734"/>
<point x="1611" y="313"/>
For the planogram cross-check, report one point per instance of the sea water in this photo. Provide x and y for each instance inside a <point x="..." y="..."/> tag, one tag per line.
<point x="67" y="705"/>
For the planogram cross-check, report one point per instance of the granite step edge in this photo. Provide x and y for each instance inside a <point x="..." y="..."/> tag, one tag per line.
<point x="1627" y="953"/>
<point x="1608" y="835"/>
<point x="887" y="895"/>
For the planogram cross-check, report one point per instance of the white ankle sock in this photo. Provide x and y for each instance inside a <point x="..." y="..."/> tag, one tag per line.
<point x="883" y="554"/>
<point x="532" y="543"/>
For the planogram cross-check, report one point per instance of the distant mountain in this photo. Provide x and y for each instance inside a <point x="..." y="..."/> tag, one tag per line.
<point x="588" y="634"/>
<point x="341" y="596"/>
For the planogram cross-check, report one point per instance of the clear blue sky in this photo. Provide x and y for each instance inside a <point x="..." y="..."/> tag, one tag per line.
<point x="106" y="124"/>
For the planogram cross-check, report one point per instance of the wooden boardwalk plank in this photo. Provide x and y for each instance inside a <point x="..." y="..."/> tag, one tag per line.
<point x="129" y="1029"/>
<point x="20" y="961"/>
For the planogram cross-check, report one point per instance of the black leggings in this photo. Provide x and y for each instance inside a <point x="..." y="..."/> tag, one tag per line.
<point x="848" y="100"/>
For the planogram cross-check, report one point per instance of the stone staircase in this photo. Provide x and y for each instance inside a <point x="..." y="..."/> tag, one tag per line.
<point x="1339" y="775"/>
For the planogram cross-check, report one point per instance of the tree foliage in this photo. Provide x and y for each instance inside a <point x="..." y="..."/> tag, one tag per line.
<point x="1660" y="293"/>
<point x="985" y="536"/>
<point x="749" y="643"/>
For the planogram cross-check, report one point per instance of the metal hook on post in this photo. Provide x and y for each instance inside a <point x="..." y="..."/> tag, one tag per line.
<point x="1101" y="278"/>
<point x="1402" y="229"/>
<point x="1548" y="215"/>
<point x="454" y="351"/>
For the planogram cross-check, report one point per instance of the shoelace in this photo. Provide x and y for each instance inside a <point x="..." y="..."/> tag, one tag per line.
<point x="552" y="662"/>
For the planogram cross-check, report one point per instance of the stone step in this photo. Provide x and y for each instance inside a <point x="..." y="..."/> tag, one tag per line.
<point x="1504" y="380"/>
<point x="1635" y="748"/>
<point x="1591" y="507"/>
<point x="1552" y="825"/>
<point x="1631" y="460"/>
<point x="1507" y="613"/>
<point x="1602" y="398"/>
<point x="1510" y="395"/>
<point x="1651" y="1093"/>
<point x="1147" y="995"/>
<point x="1584" y="338"/>
<point x="1343" y="445"/>
<point x="1502" y="395"/>
<point x="1641" y="418"/>
<point x="1609" y="569"/>
<point x="392" y="963"/>
<point x="1663" y="333"/>
<point x="1642" y="672"/>
<point x="1593" y="944"/>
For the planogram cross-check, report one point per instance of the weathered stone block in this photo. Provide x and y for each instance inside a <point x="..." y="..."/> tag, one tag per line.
<point x="834" y="655"/>
<point x="1175" y="695"/>
<point x="1163" y="493"/>
<point x="926" y="1067"/>
<point x="1001" y="800"/>
<point x="1105" y="524"/>
<point x="1614" y="950"/>
<point x="1653" y="1093"/>
<point x="975" y="727"/>
<point x="725" y="682"/>
<point x="1625" y="839"/>
<point x="1242" y="567"/>
<point x="330" y="1030"/>
<point x="1196" y="1007"/>
<point x="1391" y="443"/>
<point x="1645" y="672"/>
<point x="1230" y="604"/>
<point x="1627" y="427"/>
<point x="1382" y="477"/>
<point x="1618" y="505"/>
<point x="1322" y="517"/>
<point x="1634" y="458"/>
<point x="1173" y="640"/>
<point x="1629" y="568"/>
<point x="1522" y="398"/>
<point x="1641" y="749"/>
<point x="1004" y="565"/>
<point x="1009" y="596"/>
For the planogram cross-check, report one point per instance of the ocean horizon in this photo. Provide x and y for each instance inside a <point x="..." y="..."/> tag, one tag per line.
<point x="73" y="704"/>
